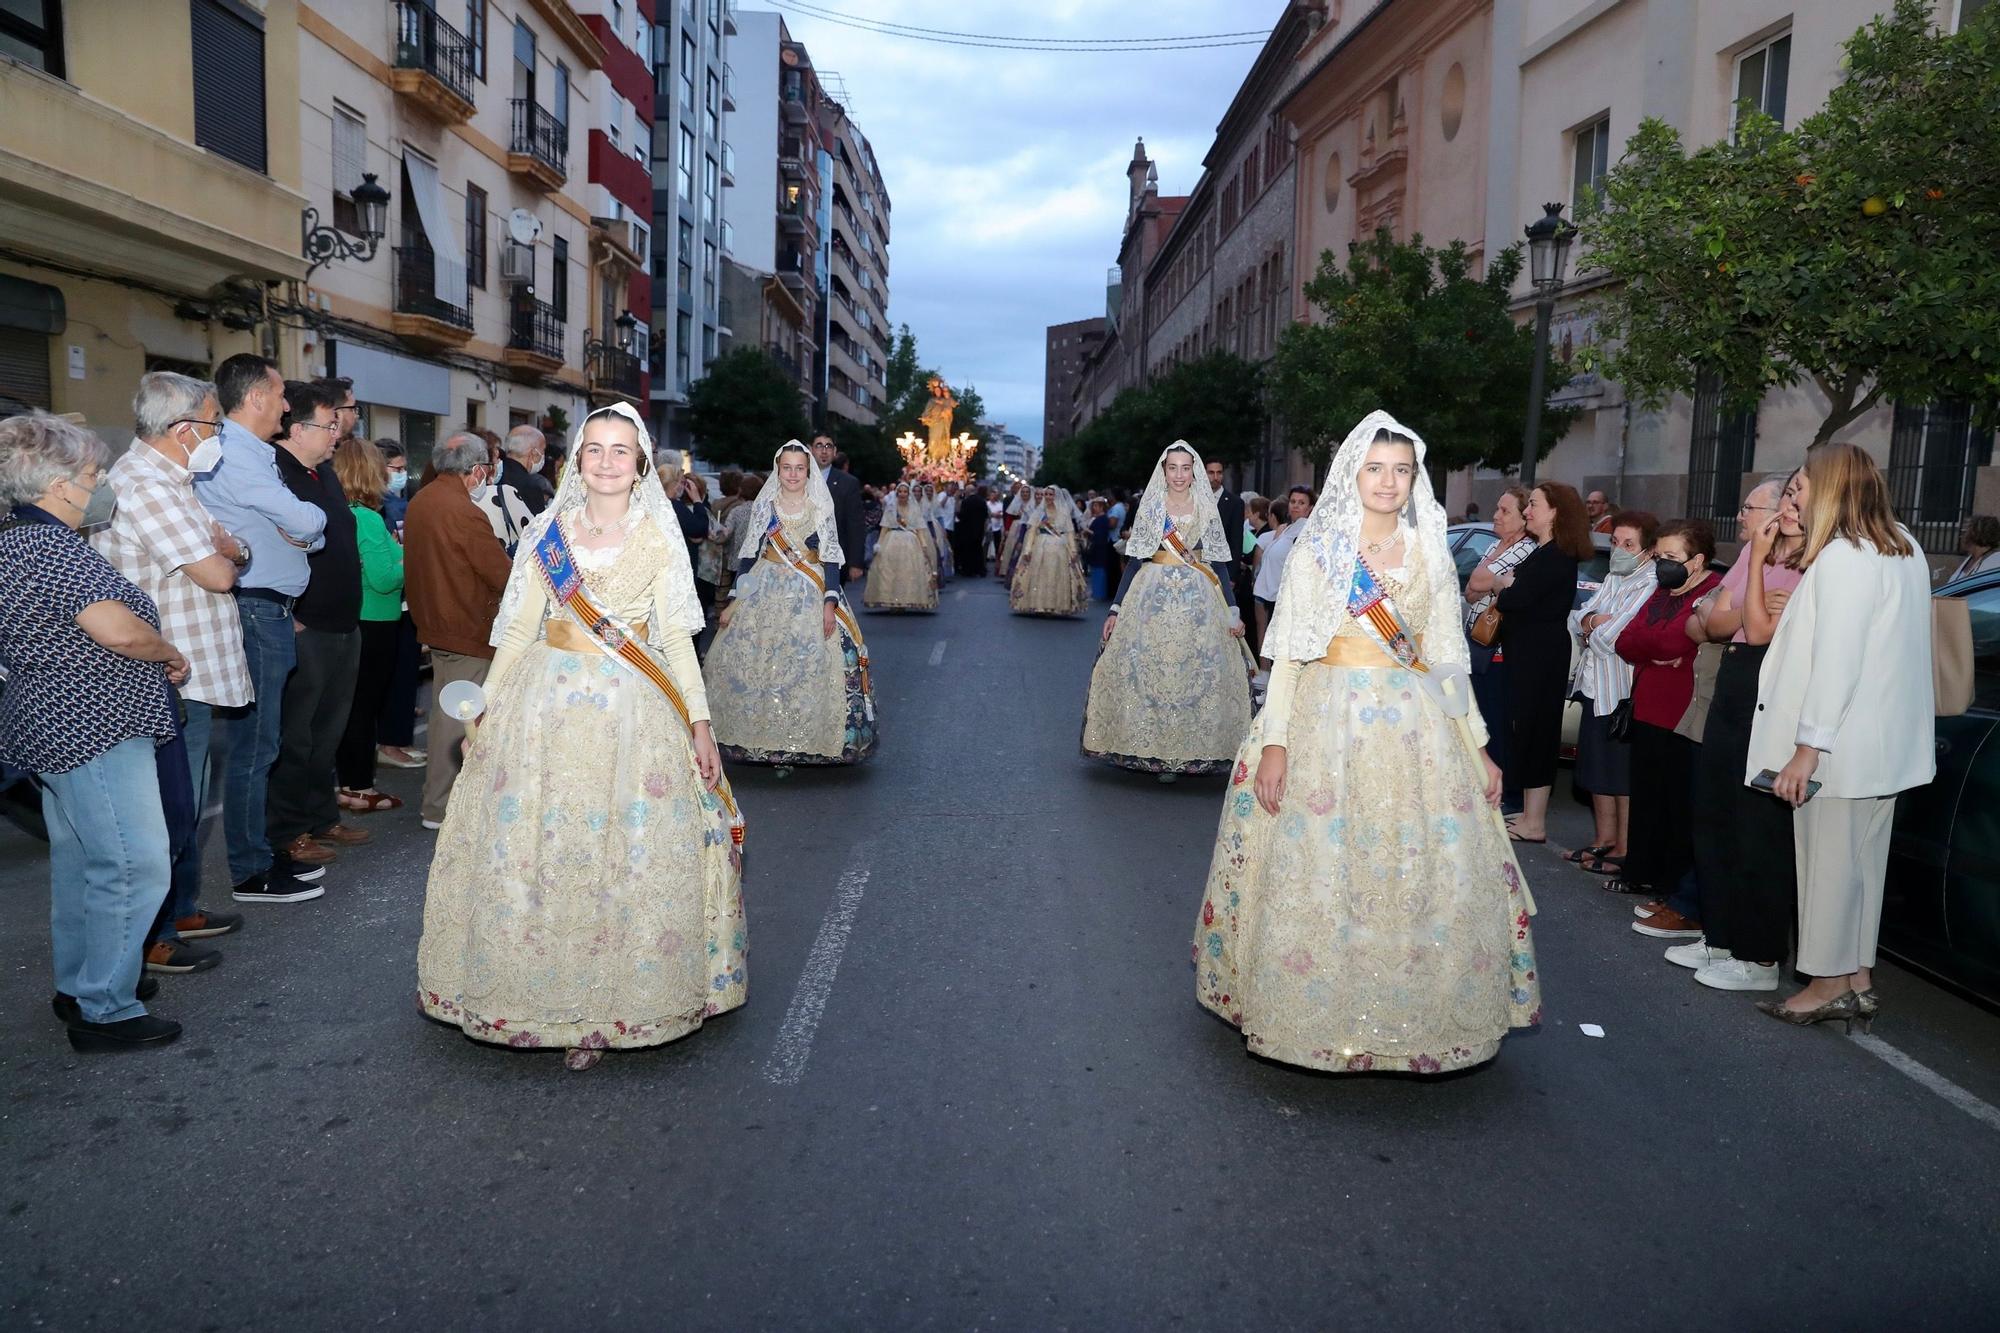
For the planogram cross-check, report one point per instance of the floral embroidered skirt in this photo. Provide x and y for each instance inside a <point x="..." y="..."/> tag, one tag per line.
<point x="1010" y="549"/>
<point x="1376" y="922"/>
<point x="1171" y="689"/>
<point x="585" y="891"/>
<point x="901" y="576"/>
<point x="779" y="690"/>
<point x="1048" y="580"/>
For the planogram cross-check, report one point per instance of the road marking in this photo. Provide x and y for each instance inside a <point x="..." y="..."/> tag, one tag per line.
<point x="1929" y="1078"/>
<point x="958" y="596"/>
<point x="937" y="652"/>
<point x="795" y="1037"/>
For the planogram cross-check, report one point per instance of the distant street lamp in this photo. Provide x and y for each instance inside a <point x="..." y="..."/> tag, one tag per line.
<point x="323" y="244"/>
<point x="1549" y="240"/>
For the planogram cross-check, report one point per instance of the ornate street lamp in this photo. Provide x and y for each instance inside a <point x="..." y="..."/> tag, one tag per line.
<point x="1549" y="238"/>
<point x="323" y="244"/>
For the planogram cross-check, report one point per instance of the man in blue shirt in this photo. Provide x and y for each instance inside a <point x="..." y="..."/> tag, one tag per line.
<point x="246" y="495"/>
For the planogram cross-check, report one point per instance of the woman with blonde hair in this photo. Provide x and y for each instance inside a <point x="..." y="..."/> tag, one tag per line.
<point x="1844" y="722"/>
<point x="364" y="479"/>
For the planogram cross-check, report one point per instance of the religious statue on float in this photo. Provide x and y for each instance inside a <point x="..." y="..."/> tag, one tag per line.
<point x="941" y="457"/>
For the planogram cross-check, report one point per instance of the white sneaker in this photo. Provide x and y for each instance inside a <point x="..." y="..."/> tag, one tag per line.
<point x="1695" y="954"/>
<point x="432" y="824"/>
<point x="1737" y="974"/>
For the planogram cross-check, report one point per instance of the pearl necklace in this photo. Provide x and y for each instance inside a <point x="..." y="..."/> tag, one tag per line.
<point x="1376" y="548"/>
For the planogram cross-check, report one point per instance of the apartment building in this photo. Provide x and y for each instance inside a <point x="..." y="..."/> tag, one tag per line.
<point x="1067" y="349"/>
<point x="693" y="172"/>
<point x="145" y="222"/>
<point x="855" y="344"/>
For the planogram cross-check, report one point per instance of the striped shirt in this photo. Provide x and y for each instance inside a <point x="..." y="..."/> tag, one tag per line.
<point x="1601" y="675"/>
<point x="1522" y="548"/>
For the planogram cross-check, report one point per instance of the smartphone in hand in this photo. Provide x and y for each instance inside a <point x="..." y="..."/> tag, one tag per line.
<point x="1768" y="779"/>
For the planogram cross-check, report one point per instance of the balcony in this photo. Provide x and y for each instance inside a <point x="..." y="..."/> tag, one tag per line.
<point x="433" y="66"/>
<point x="420" y="315"/>
<point x="729" y="18"/>
<point x="729" y="166"/>
<point x="792" y="101"/>
<point x="728" y="87"/>
<point x="538" y="150"/>
<point x="728" y="239"/>
<point x="795" y="272"/>
<point x="723" y="326"/>
<point x="797" y="216"/>
<point x="534" y="338"/>
<point x="792" y="158"/>
<point x="615" y="375"/>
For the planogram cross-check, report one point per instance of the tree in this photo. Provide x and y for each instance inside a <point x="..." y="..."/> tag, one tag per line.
<point x="743" y="408"/>
<point x="1407" y="329"/>
<point x="1855" y="252"/>
<point x="1215" y="403"/>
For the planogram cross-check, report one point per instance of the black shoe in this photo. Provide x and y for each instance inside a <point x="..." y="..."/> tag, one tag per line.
<point x="69" y="1011"/>
<point x="284" y="867"/>
<point x="276" y="888"/>
<point x="200" y="925"/>
<point x="180" y="956"/>
<point x="124" y="1035"/>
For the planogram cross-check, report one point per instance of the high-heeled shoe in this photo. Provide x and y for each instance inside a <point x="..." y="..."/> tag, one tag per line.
<point x="1866" y="1005"/>
<point x="1843" y="1010"/>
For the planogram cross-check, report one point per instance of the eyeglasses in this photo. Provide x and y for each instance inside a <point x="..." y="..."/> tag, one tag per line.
<point x="314" y="425"/>
<point x="197" y="421"/>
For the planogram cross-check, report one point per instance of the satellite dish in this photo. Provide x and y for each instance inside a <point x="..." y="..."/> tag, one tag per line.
<point x="523" y="227"/>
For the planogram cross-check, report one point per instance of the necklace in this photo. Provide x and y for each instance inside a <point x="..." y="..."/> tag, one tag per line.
<point x="597" y="529"/>
<point x="1376" y="548"/>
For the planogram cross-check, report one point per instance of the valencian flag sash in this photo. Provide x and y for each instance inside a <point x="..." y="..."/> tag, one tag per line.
<point x="612" y="635"/>
<point x="788" y="555"/>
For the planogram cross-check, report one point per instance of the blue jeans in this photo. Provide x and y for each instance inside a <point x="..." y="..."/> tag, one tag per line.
<point x="270" y="644"/>
<point x="185" y="896"/>
<point x="108" y="871"/>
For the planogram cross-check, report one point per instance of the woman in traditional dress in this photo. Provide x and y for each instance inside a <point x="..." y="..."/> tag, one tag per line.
<point x="1049" y="579"/>
<point x="940" y="540"/>
<point x="586" y="893"/>
<point x="788" y="672"/>
<point x="1170" y="693"/>
<point x="1023" y="507"/>
<point x="902" y="577"/>
<point x="1363" y="908"/>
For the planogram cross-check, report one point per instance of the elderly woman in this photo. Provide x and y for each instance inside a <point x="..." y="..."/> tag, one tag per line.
<point x="1980" y="543"/>
<point x="86" y="704"/>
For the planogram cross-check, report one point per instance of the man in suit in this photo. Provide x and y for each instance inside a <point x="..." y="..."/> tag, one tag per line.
<point x="1229" y="505"/>
<point x="846" y="506"/>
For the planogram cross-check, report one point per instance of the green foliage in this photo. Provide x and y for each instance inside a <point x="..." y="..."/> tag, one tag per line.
<point x="1407" y="329"/>
<point x="743" y="408"/>
<point x="555" y="424"/>
<point x="1215" y="403"/>
<point x="1856" y="251"/>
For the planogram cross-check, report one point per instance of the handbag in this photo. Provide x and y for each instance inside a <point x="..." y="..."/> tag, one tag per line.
<point x="1485" y="629"/>
<point x="1951" y="655"/>
<point x="1618" y="724"/>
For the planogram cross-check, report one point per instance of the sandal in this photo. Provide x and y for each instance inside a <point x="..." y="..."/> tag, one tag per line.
<point x="1582" y="854"/>
<point x="1512" y="836"/>
<point x="367" y="802"/>
<point x="1620" y="884"/>
<point x="1604" y="865"/>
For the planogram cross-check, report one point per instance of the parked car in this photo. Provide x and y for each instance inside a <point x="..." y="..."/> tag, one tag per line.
<point x="1941" y="913"/>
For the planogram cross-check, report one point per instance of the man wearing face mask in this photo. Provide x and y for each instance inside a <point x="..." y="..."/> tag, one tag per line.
<point x="162" y="538"/>
<point x="396" y="503"/>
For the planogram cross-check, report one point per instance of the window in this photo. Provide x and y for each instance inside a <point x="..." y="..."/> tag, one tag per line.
<point x="1761" y="76"/>
<point x="686" y="165"/>
<point x="524" y="62"/>
<point x="709" y="179"/>
<point x="475" y="237"/>
<point x="689" y="58"/>
<point x="559" y="104"/>
<point x="712" y="101"/>
<point x="683" y="334"/>
<point x="228" y="42"/>
<point x="559" y="279"/>
<point x="1935" y="453"/>
<point x="31" y="32"/>
<point x="1723" y="448"/>
<point x="475" y="36"/>
<point x="1593" y="157"/>
<point x="350" y="159"/>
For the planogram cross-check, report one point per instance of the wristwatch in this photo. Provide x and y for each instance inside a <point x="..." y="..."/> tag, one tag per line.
<point x="242" y="557"/>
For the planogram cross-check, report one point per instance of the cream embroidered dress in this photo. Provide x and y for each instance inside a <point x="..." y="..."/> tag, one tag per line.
<point x="903" y="576"/>
<point x="1378" y="921"/>
<point x="585" y="890"/>
<point x="1170" y="692"/>
<point x="1048" y="579"/>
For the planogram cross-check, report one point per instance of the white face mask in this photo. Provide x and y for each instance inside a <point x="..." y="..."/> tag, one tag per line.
<point x="206" y="456"/>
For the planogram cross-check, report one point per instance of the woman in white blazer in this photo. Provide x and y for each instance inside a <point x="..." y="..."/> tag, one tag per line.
<point x="1844" y="700"/>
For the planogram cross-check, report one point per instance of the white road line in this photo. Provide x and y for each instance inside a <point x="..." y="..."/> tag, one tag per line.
<point x="937" y="653"/>
<point x="795" y="1037"/>
<point x="959" y="596"/>
<point x="1929" y="1078"/>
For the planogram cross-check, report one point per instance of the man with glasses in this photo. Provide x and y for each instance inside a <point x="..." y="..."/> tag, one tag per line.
<point x="246" y="496"/>
<point x="1599" y="511"/>
<point x="164" y="540"/>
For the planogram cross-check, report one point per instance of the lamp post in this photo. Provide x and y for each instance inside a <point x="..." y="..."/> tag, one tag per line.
<point x="1549" y="238"/>
<point x="323" y="244"/>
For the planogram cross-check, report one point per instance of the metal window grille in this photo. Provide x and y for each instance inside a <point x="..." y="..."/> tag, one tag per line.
<point x="1935" y="453"/>
<point x="1723" y="447"/>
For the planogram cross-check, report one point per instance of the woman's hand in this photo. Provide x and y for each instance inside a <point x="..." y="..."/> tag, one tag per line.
<point x="1504" y="581"/>
<point x="722" y="620"/>
<point x="177" y="669"/>
<point x="1775" y="599"/>
<point x="1792" y="778"/>
<point x="1493" y="782"/>
<point x="1763" y="536"/>
<point x="826" y="621"/>
<point x="1670" y="662"/>
<point x="1236" y="629"/>
<point x="707" y="759"/>
<point x="1271" y="777"/>
<point x="1109" y="622"/>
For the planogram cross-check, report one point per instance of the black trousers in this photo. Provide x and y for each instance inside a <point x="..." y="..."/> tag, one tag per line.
<point x="317" y="697"/>
<point x="374" y="679"/>
<point x="1662" y="835"/>
<point x="1744" y="856"/>
<point x="396" y="723"/>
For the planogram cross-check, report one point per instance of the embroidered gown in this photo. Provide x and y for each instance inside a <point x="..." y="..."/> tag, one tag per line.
<point x="779" y="690"/>
<point x="585" y="890"/>
<point x="1048" y="579"/>
<point x="1377" y="920"/>
<point x="1010" y="545"/>
<point x="902" y="577"/>
<point x="1170" y="692"/>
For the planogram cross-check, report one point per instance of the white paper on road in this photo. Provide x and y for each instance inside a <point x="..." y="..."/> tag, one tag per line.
<point x="1590" y="1029"/>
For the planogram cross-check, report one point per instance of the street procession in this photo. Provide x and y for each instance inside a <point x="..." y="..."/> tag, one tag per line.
<point x="1313" y="782"/>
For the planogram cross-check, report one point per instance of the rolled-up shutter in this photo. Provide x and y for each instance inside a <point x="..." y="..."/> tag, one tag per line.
<point x="24" y="371"/>
<point x="228" y="51"/>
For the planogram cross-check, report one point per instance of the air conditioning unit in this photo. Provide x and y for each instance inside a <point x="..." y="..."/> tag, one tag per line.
<point x="517" y="263"/>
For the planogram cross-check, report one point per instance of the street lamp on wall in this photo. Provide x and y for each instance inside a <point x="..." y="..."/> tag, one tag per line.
<point x="323" y="244"/>
<point x="1549" y="238"/>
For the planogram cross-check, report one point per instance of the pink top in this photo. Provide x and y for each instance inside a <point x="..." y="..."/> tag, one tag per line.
<point x="1777" y="578"/>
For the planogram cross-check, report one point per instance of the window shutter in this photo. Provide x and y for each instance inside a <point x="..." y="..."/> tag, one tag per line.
<point x="228" y="50"/>
<point x="24" y="371"/>
<point x="350" y="151"/>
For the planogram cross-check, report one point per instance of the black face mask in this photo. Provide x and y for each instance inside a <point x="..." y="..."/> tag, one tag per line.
<point x="1671" y="573"/>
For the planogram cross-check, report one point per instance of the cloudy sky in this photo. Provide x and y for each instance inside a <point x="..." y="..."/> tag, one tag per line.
<point x="1007" y="169"/>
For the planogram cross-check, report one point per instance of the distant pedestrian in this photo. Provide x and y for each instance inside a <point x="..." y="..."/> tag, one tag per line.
<point x="1980" y="543"/>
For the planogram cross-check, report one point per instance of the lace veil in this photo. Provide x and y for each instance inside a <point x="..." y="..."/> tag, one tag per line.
<point x="1312" y="595"/>
<point x="1149" y="525"/>
<point x="682" y="610"/>
<point x="817" y="496"/>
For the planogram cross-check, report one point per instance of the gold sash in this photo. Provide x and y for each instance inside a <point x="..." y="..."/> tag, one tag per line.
<point x="1360" y="653"/>
<point x="569" y="637"/>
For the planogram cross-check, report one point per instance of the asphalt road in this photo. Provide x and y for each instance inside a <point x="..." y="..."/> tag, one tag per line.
<point x="972" y="1089"/>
